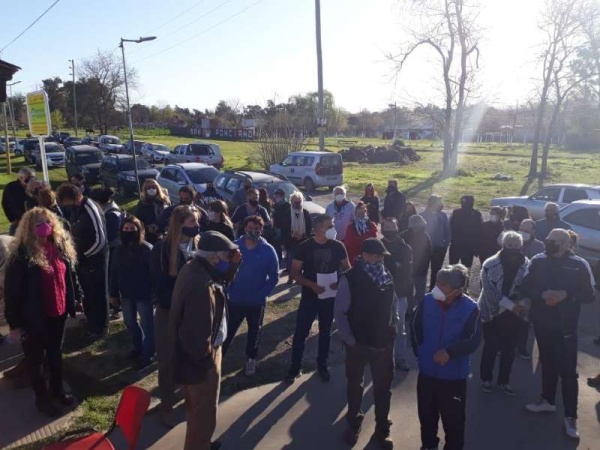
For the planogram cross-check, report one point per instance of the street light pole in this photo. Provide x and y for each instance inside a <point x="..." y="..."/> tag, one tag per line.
<point x="74" y="95"/>
<point x="135" y="168"/>
<point x="11" y="109"/>
<point x="321" y="111"/>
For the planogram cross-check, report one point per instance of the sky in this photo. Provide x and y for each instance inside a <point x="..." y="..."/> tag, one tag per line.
<point x="256" y="50"/>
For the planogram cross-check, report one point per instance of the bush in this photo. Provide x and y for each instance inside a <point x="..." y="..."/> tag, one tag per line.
<point x="273" y="148"/>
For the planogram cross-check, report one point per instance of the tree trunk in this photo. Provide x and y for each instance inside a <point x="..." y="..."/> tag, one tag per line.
<point x="464" y="54"/>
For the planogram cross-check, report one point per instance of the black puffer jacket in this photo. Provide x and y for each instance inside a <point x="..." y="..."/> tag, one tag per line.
<point x="23" y="297"/>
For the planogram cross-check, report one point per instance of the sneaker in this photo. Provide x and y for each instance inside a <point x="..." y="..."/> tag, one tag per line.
<point x="541" y="406"/>
<point x="324" y="374"/>
<point x="507" y="389"/>
<point x="523" y="354"/>
<point x="594" y="382"/>
<point x="383" y="439"/>
<point x="250" y="367"/>
<point x="571" y="427"/>
<point x="402" y="365"/>
<point x="64" y="399"/>
<point x="46" y="407"/>
<point x="353" y="431"/>
<point x="292" y="375"/>
<point x="486" y="386"/>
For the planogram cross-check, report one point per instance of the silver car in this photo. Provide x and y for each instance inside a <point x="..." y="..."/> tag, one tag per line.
<point x="563" y="194"/>
<point x="174" y="176"/>
<point x="154" y="153"/>
<point x="584" y="218"/>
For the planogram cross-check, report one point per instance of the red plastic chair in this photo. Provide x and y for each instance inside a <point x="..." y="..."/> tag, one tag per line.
<point x="130" y="413"/>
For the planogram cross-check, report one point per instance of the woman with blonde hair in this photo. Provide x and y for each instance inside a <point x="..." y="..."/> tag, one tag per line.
<point x="41" y="288"/>
<point x="169" y="255"/>
<point x="150" y="208"/>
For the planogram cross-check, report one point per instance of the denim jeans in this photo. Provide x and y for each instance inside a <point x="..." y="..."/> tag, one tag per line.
<point x="142" y="336"/>
<point x="400" y="344"/>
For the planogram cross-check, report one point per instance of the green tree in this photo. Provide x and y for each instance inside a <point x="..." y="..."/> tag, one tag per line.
<point x="58" y="121"/>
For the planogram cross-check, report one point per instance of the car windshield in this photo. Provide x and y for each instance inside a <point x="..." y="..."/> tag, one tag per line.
<point x="89" y="158"/>
<point x="127" y="164"/>
<point x="54" y="148"/>
<point x="159" y="148"/>
<point x="200" y="176"/>
<point x="113" y="140"/>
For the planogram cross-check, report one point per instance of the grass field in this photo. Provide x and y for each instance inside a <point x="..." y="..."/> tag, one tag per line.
<point x="478" y="163"/>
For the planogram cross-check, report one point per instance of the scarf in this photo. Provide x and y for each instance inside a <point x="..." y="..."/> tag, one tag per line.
<point x="377" y="273"/>
<point x="298" y="229"/>
<point x="361" y="226"/>
<point x="510" y="267"/>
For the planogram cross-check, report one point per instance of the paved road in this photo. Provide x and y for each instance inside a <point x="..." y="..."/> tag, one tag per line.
<point x="309" y="414"/>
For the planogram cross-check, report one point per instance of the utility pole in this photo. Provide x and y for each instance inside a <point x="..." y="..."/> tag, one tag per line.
<point x="6" y="141"/>
<point x="395" y="105"/>
<point x="74" y="95"/>
<point x="11" y="109"/>
<point x="321" y="113"/>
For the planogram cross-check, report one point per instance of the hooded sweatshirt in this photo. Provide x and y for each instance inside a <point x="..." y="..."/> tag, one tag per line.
<point x="257" y="276"/>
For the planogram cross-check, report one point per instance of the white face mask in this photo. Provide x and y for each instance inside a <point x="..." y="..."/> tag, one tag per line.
<point x="525" y="236"/>
<point x="331" y="233"/>
<point x="152" y="192"/>
<point x="340" y="198"/>
<point x="438" y="294"/>
<point x="494" y="219"/>
<point x="213" y="216"/>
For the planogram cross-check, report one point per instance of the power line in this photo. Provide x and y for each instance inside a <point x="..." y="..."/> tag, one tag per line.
<point x="206" y="30"/>
<point x="178" y="30"/>
<point x="29" y="27"/>
<point x="176" y="17"/>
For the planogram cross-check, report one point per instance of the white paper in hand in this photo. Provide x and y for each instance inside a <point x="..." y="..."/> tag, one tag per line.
<point x="326" y="280"/>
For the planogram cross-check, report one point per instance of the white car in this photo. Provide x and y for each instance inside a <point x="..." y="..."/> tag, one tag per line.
<point x="174" y="176"/>
<point x="311" y="169"/>
<point x="154" y="153"/>
<point x="55" y="155"/>
<point x="110" y="144"/>
<point x="584" y="218"/>
<point x="563" y="194"/>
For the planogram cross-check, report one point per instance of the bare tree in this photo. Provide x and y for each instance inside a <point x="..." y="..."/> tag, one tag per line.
<point x="104" y="72"/>
<point x="450" y="29"/>
<point x="560" y="22"/>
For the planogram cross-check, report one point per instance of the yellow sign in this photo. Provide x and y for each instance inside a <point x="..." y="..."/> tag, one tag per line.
<point x="38" y="113"/>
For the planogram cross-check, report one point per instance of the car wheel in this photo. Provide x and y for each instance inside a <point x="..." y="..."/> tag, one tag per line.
<point x="309" y="184"/>
<point x="18" y="152"/>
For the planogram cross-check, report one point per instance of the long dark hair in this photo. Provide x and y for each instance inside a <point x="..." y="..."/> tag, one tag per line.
<point x="128" y="253"/>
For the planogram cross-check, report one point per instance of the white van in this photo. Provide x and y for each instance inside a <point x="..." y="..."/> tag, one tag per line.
<point x="312" y="169"/>
<point x="202" y="152"/>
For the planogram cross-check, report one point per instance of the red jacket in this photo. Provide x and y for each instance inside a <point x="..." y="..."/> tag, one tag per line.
<point x="353" y="241"/>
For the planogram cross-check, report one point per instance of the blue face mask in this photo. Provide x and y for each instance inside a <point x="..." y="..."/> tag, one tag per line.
<point x="223" y="266"/>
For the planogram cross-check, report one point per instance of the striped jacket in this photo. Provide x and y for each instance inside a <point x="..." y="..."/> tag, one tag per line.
<point x="89" y="230"/>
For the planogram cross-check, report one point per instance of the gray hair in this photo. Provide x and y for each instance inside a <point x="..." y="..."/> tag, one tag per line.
<point x="512" y="237"/>
<point x="26" y="171"/>
<point x="296" y="195"/>
<point x="455" y="276"/>
<point x="340" y="188"/>
<point x="552" y="205"/>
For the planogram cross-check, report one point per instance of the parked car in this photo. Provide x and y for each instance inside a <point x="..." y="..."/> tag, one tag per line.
<point x="229" y="182"/>
<point x="12" y="144"/>
<point x="63" y="136"/>
<point x="312" y="169"/>
<point x="86" y="160"/>
<point x="563" y="194"/>
<point x="584" y="218"/>
<point x="117" y="171"/>
<point x="110" y="144"/>
<point x="138" y="147"/>
<point x="55" y="155"/>
<point x="195" y="174"/>
<point x="203" y="152"/>
<point x="71" y="141"/>
<point x="155" y="153"/>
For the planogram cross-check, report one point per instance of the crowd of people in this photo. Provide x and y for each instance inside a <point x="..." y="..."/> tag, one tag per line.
<point x="186" y="276"/>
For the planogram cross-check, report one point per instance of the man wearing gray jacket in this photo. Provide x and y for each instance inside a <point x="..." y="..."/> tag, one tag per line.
<point x="366" y="317"/>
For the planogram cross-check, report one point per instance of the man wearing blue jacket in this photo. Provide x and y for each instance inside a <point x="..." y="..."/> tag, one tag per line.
<point x="446" y="330"/>
<point x="256" y="277"/>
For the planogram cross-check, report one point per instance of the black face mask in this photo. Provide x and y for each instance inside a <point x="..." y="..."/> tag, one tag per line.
<point x="129" y="237"/>
<point x="511" y="253"/>
<point x="253" y="202"/>
<point x="552" y="248"/>
<point x="190" y="232"/>
<point x="390" y="235"/>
